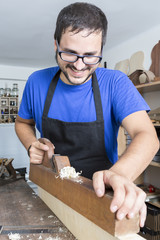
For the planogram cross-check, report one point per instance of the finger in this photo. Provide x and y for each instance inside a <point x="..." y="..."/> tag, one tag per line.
<point x="37" y="157"/>
<point x="36" y="161"/>
<point x="98" y="183"/>
<point x="118" y="200"/>
<point x="143" y="215"/>
<point x="129" y="202"/>
<point x="140" y="199"/>
<point x="41" y="146"/>
<point x="119" y="193"/>
<point x="36" y="151"/>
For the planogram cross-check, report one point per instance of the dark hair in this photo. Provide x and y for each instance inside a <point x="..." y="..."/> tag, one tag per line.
<point x="80" y="16"/>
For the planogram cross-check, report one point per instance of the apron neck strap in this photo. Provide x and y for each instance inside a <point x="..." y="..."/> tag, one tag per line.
<point x="97" y="97"/>
<point x="50" y="93"/>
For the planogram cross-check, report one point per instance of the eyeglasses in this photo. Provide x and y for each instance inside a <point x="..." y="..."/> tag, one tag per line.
<point x="72" y="57"/>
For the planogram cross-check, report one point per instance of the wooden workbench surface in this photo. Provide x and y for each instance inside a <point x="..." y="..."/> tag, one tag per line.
<point x="23" y="212"/>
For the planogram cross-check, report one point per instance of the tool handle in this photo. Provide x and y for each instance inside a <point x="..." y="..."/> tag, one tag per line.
<point x="47" y="160"/>
<point x="51" y="160"/>
<point x="60" y="162"/>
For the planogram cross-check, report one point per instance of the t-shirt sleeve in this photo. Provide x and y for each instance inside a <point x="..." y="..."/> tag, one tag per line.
<point x="126" y="99"/>
<point x="25" y="110"/>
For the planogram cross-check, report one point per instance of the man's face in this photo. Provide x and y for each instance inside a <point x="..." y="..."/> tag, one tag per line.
<point x="81" y="43"/>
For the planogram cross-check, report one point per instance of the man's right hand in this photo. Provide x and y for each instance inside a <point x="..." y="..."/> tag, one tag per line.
<point x="37" y="151"/>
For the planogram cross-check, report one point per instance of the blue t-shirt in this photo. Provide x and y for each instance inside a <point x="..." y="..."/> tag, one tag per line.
<point x="76" y="103"/>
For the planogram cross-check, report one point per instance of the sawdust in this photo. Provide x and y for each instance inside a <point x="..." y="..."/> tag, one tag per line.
<point x="50" y="238"/>
<point x="60" y="229"/>
<point x="14" y="236"/>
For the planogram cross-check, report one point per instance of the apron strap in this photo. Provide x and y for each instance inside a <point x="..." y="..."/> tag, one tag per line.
<point x="50" y="93"/>
<point x="97" y="98"/>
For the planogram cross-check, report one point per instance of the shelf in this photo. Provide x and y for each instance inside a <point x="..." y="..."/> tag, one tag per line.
<point x="9" y="110"/>
<point x="149" y="87"/>
<point x="156" y="124"/>
<point x="3" y="97"/>
<point x="155" y="164"/>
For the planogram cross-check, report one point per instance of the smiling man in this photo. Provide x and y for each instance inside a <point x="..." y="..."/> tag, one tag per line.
<point x="78" y="68"/>
<point x="79" y="108"/>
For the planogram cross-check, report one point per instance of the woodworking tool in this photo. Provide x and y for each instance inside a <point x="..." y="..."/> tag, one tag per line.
<point x="8" y="173"/>
<point x="52" y="160"/>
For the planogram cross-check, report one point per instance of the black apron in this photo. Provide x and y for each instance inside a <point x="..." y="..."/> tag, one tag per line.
<point x="82" y="142"/>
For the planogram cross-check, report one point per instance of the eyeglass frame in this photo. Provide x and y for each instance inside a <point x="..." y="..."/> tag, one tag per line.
<point x="78" y="56"/>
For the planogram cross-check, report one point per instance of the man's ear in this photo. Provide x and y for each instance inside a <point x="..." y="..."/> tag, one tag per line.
<point x="55" y="46"/>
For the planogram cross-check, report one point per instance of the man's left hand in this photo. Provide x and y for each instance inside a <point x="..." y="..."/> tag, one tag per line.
<point x="128" y="199"/>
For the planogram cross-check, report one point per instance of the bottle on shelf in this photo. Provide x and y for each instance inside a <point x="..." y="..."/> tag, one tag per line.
<point x="7" y="92"/>
<point x="1" y="92"/>
<point x="15" y="90"/>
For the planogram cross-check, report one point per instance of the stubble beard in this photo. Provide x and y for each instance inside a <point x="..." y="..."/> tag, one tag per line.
<point x="72" y="67"/>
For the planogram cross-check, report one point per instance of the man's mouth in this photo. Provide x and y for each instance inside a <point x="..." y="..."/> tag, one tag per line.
<point x="76" y="71"/>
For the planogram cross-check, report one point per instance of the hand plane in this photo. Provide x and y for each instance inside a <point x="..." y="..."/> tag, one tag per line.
<point x="52" y="160"/>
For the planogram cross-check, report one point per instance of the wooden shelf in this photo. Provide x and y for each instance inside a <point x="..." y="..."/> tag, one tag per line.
<point x="156" y="124"/>
<point x="155" y="164"/>
<point x="10" y="106"/>
<point x="149" y="87"/>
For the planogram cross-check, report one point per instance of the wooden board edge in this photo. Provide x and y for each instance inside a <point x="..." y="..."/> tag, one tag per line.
<point x="79" y="196"/>
<point x="82" y="199"/>
<point x="78" y="225"/>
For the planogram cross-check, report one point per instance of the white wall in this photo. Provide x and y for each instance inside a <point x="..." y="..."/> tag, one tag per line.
<point x="12" y="74"/>
<point x="10" y="146"/>
<point x="143" y="42"/>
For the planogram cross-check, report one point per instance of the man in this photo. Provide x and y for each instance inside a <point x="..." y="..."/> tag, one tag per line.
<point x="79" y="108"/>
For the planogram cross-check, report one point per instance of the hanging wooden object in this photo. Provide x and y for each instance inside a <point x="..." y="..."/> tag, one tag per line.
<point x="155" y="56"/>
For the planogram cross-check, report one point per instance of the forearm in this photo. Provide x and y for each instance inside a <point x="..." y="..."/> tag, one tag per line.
<point x="137" y="156"/>
<point x="26" y="133"/>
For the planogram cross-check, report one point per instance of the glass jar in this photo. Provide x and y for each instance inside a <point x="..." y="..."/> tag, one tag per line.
<point x="3" y="102"/>
<point x="1" y="92"/>
<point x="7" y="92"/>
<point x="15" y="90"/>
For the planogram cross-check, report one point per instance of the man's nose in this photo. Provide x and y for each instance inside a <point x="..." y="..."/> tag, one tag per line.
<point x="79" y="64"/>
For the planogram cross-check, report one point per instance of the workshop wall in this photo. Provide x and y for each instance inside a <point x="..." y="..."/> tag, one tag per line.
<point x="10" y="146"/>
<point x="142" y="42"/>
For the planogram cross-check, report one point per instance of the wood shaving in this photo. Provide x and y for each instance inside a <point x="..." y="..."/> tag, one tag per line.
<point x="15" y="236"/>
<point x="68" y="172"/>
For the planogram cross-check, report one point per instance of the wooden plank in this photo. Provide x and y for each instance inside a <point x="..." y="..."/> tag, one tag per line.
<point x="80" y="226"/>
<point x="23" y="212"/>
<point x="149" y="87"/>
<point x="82" y="198"/>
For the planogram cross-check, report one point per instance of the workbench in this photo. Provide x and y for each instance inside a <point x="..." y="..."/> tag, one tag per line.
<point x="23" y="212"/>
